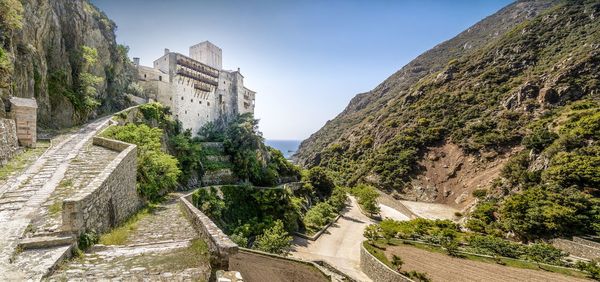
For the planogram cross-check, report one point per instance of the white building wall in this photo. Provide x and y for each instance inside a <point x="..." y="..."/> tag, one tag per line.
<point x="196" y="106"/>
<point x="207" y="53"/>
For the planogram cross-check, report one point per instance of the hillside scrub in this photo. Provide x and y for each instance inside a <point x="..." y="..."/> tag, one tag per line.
<point x="482" y="100"/>
<point x="560" y="200"/>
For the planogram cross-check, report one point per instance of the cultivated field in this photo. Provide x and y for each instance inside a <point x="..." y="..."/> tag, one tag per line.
<point x="441" y="267"/>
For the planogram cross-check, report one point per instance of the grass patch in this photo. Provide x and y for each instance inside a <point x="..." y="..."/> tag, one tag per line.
<point x="119" y="235"/>
<point x="378" y="253"/>
<point x="510" y="262"/>
<point x="215" y="165"/>
<point x="55" y="208"/>
<point x="65" y="183"/>
<point x="23" y="159"/>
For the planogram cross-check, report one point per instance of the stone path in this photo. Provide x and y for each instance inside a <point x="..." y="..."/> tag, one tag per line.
<point x="23" y="195"/>
<point x="340" y="244"/>
<point x="162" y="246"/>
<point x="90" y="161"/>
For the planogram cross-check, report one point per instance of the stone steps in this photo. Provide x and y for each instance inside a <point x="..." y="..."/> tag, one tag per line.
<point x="43" y="242"/>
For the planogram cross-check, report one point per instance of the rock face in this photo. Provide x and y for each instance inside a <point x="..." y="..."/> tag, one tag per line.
<point x="478" y="91"/>
<point x="8" y="139"/>
<point x="46" y="56"/>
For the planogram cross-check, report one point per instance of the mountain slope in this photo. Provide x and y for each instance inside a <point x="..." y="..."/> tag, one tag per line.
<point x="43" y="43"/>
<point x="457" y="113"/>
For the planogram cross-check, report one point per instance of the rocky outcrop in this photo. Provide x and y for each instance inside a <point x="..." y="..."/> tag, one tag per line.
<point x="46" y="58"/>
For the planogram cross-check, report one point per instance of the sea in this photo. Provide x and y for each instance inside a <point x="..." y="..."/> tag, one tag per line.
<point x="287" y="147"/>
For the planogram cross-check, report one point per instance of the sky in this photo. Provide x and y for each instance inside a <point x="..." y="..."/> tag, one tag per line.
<point x="305" y="59"/>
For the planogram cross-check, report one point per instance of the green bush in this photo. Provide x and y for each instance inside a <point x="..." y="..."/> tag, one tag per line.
<point x="321" y="181"/>
<point x="275" y="240"/>
<point x="157" y="171"/>
<point x="592" y="268"/>
<point x="367" y="198"/>
<point x="545" y="253"/>
<point x="494" y="246"/>
<point x="318" y="216"/>
<point x="541" y="213"/>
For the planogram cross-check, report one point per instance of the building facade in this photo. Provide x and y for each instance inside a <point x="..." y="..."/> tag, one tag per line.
<point x="195" y="87"/>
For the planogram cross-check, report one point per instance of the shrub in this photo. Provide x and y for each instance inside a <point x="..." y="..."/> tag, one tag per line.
<point x="321" y="181"/>
<point x="275" y="240"/>
<point x="542" y="252"/>
<point x="490" y="245"/>
<point x="367" y="198"/>
<point x="318" y="216"/>
<point x="592" y="268"/>
<point x="157" y="172"/>
<point x="480" y="193"/>
<point x="338" y="198"/>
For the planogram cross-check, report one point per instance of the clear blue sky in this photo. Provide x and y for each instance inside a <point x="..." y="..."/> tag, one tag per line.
<point x="306" y="59"/>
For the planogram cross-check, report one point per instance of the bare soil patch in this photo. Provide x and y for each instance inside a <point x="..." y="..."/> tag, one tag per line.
<point x="441" y="267"/>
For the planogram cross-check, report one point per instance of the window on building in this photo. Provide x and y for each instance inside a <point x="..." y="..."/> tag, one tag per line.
<point x="170" y="98"/>
<point x="160" y="78"/>
<point x="181" y="98"/>
<point x="186" y="112"/>
<point x="208" y="103"/>
<point x="191" y="100"/>
<point x="144" y="75"/>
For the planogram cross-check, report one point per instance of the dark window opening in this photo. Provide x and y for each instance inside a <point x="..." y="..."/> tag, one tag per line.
<point x="160" y="78"/>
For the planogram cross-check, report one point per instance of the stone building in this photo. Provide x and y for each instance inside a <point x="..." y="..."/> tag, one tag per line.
<point x="195" y="87"/>
<point x="24" y="112"/>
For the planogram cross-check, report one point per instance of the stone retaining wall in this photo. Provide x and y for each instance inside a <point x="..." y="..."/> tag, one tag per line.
<point x="108" y="199"/>
<point x="9" y="144"/>
<point x="377" y="270"/>
<point x="579" y="247"/>
<point x="219" y="244"/>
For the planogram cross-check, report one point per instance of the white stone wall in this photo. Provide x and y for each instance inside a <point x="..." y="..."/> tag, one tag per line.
<point x="207" y="53"/>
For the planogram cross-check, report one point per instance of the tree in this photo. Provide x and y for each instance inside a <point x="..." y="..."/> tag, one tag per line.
<point x="372" y="232"/>
<point x="592" y="268"/>
<point x="541" y="212"/>
<point x="397" y="262"/>
<point x="321" y="181"/>
<point x="318" y="216"/>
<point x="275" y="240"/>
<point x="367" y="198"/>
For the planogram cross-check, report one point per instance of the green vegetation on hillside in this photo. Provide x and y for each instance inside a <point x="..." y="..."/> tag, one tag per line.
<point x="482" y="101"/>
<point x="560" y="199"/>
<point x="252" y="160"/>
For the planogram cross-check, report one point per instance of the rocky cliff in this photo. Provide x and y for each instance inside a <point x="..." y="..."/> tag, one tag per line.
<point x="43" y="57"/>
<point x="446" y="123"/>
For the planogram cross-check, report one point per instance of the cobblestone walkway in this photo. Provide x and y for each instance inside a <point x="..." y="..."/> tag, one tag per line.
<point x="23" y="195"/>
<point x="90" y="161"/>
<point x="161" y="247"/>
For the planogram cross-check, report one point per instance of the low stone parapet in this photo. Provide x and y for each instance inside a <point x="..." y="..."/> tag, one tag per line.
<point x="108" y="199"/>
<point x="219" y="244"/>
<point x="578" y="247"/>
<point x="377" y="270"/>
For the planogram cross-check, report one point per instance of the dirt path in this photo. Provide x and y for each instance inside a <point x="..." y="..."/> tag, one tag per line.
<point x="161" y="247"/>
<point x="440" y="267"/>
